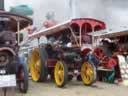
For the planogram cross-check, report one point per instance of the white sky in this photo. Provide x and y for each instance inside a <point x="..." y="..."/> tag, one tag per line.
<point x="113" y="12"/>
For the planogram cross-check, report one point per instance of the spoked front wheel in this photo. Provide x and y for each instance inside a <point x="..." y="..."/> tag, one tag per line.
<point x="88" y="73"/>
<point x="23" y="79"/>
<point x="60" y="74"/>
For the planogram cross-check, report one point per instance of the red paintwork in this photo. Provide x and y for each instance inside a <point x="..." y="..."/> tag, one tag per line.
<point x="107" y="62"/>
<point x="98" y="52"/>
<point x="48" y="24"/>
<point x="51" y="62"/>
<point x="93" y="22"/>
<point x="112" y="63"/>
<point x="7" y="49"/>
<point x="86" y="51"/>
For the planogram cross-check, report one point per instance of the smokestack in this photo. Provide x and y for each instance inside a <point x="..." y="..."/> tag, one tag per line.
<point x="1" y="4"/>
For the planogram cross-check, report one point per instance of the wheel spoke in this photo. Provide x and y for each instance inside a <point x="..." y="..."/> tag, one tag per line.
<point x="35" y="65"/>
<point x="87" y="73"/>
<point x="59" y="74"/>
<point x="38" y="66"/>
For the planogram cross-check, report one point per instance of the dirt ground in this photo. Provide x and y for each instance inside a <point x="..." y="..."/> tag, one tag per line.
<point x="75" y="88"/>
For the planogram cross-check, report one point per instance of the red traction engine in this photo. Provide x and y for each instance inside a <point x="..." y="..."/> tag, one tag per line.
<point x="66" y="53"/>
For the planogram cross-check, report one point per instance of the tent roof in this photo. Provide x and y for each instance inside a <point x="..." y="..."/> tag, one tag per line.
<point x="23" y="10"/>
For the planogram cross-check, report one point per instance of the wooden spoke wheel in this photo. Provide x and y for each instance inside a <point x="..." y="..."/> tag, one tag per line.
<point x="88" y="73"/>
<point x="37" y="66"/>
<point x="60" y="74"/>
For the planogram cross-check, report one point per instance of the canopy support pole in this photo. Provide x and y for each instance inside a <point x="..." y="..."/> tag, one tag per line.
<point x="18" y="30"/>
<point x="93" y="39"/>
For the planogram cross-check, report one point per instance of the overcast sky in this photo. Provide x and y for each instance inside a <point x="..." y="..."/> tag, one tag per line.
<point x="113" y="12"/>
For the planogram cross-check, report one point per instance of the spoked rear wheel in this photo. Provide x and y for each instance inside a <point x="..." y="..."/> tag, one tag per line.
<point x="37" y="66"/>
<point x="88" y="73"/>
<point x="60" y="74"/>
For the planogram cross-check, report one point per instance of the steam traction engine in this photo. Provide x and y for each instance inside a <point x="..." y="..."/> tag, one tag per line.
<point x="12" y="72"/>
<point x="65" y="54"/>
